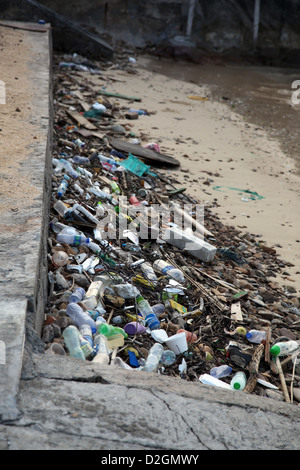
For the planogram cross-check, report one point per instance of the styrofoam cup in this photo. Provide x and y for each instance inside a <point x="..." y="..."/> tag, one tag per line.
<point x="177" y="343"/>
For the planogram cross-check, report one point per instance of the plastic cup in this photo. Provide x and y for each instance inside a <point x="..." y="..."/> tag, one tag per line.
<point x="177" y="343"/>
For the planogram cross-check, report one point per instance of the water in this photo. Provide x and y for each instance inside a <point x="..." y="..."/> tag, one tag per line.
<point x="262" y="94"/>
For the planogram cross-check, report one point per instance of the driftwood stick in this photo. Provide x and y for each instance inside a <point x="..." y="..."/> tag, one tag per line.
<point x="282" y="380"/>
<point x="267" y="347"/>
<point x="253" y="368"/>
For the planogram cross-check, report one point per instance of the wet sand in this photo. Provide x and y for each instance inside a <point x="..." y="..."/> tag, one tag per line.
<point x="220" y="151"/>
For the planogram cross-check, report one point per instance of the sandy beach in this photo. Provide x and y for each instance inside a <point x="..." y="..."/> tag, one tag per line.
<point x="219" y="153"/>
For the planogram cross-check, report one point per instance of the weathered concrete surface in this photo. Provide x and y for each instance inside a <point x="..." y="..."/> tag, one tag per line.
<point x="68" y="404"/>
<point x="51" y="402"/>
<point x="25" y="162"/>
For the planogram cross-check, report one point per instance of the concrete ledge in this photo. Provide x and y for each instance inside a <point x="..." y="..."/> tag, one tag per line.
<point x="25" y="187"/>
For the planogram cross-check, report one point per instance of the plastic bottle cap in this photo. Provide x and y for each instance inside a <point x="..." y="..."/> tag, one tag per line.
<point x="236" y="386"/>
<point x="248" y="335"/>
<point x="275" y="350"/>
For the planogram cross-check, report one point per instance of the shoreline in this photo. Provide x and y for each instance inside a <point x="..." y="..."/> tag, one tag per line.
<point x="218" y="150"/>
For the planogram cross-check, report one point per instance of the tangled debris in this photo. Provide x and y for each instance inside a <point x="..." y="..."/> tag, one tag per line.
<point x="111" y="299"/>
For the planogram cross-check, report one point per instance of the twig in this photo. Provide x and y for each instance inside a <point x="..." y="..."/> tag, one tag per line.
<point x="282" y="380"/>
<point x="253" y="368"/>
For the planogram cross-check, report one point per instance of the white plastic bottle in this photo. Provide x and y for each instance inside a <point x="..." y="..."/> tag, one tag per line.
<point x="238" y="381"/>
<point x="168" y="270"/>
<point x="79" y="316"/>
<point x="207" y="379"/>
<point x="256" y="336"/>
<point x="154" y="356"/>
<point x="72" y="341"/>
<point x="148" y="272"/>
<point x="284" y="348"/>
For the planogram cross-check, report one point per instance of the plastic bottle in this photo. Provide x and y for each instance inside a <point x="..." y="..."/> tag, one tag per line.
<point x="71" y="239"/>
<point x="100" y="211"/>
<point x="102" y="350"/>
<point x="158" y="309"/>
<point x="256" y="336"/>
<point x="284" y="348"/>
<point x="79" y="316"/>
<point x="86" y="347"/>
<point x="153" y="359"/>
<point x="115" y="188"/>
<point x="144" y="306"/>
<point x="168" y="270"/>
<point x="77" y="295"/>
<point x="63" y="186"/>
<point x="71" y="337"/>
<point x="83" y="210"/>
<point x="147" y="313"/>
<point x="131" y="247"/>
<point x="238" y="381"/>
<point x="80" y="160"/>
<point x="220" y="371"/>
<point x="148" y="272"/>
<point x="107" y="330"/>
<point x="60" y="258"/>
<point x="103" y="159"/>
<point x="86" y="332"/>
<point x="168" y="358"/>
<point x="207" y="379"/>
<point x="64" y="164"/>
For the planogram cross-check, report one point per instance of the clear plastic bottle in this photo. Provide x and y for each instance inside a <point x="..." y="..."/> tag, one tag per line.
<point x="64" y="164"/>
<point x="221" y="371"/>
<point x="71" y="239"/>
<point x="79" y="316"/>
<point x="148" y="272"/>
<point x="158" y="309"/>
<point x="168" y="270"/>
<point x="63" y="186"/>
<point x="80" y="160"/>
<point x="238" y="381"/>
<point x="168" y="357"/>
<point x="284" y="348"/>
<point x="77" y="295"/>
<point x="100" y="211"/>
<point x="72" y="341"/>
<point x="78" y="208"/>
<point x="131" y="247"/>
<point x="256" y="336"/>
<point x="153" y="359"/>
<point x="144" y="306"/>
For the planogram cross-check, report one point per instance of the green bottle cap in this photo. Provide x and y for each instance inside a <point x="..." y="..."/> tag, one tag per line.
<point x="236" y="386"/>
<point x="275" y="350"/>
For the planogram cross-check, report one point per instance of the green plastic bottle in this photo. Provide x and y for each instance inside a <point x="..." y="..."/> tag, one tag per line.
<point x="109" y="330"/>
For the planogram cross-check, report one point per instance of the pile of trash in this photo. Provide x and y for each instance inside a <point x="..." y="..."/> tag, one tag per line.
<point x="136" y="280"/>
